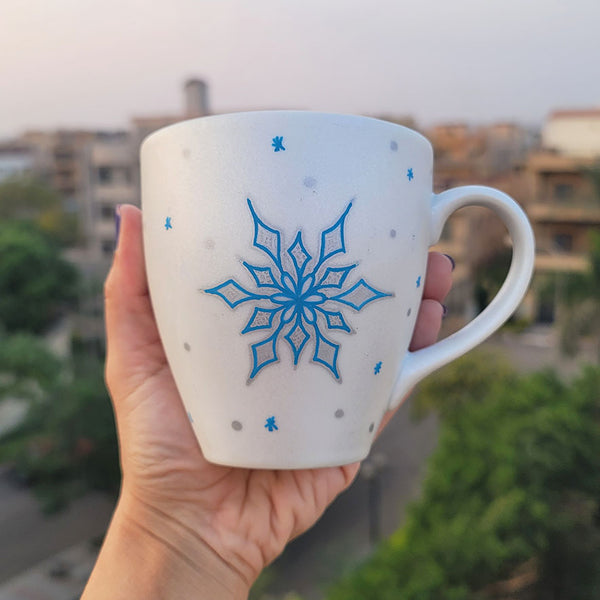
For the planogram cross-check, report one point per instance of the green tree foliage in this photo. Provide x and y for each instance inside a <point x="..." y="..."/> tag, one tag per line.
<point x="511" y="498"/>
<point x="67" y="443"/>
<point x="27" y="200"/>
<point x="489" y="277"/>
<point x="36" y="284"/>
<point x="581" y="295"/>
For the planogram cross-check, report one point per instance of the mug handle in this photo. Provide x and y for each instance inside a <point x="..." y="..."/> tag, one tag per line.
<point x="420" y="363"/>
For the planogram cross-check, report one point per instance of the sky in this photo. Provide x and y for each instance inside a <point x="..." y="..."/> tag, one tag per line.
<point x="97" y="63"/>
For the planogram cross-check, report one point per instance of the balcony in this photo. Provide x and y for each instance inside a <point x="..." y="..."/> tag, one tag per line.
<point x="561" y="262"/>
<point x="583" y="211"/>
<point x="115" y="193"/>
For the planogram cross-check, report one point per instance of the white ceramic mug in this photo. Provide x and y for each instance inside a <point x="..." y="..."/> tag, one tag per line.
<point x="286" y="255"/>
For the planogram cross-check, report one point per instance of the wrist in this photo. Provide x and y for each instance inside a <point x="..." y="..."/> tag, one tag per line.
<point x="147" y="556"/>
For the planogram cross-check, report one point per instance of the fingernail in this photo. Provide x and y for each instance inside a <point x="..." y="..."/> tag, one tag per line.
<point x="117" y="224"/>
<point x="445" y="311"/>
<point x="451" y="260"/>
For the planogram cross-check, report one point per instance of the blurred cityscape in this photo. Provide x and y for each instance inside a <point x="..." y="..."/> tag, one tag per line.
<point x="554" y="173"/>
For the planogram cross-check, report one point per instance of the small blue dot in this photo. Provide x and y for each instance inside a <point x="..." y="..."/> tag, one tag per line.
<point x="168" y="224"/>
<point x="410" y="174"/>
<point x="394" y="146"/>
<point x="190" y="417"/>
<point x="419" y="281"/>
<point x="377" y="368"/>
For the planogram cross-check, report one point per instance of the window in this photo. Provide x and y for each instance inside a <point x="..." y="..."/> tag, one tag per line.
<point x="105" y="174"/>
<point x="108" y="247"/>
<point x="563" y="242"/>
<point x="107" y="212"/>
<point x="563" y="191"/>
<point x="114" y="175"/>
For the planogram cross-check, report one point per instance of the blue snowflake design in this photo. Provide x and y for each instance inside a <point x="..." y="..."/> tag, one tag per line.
<point x="298" y="297"/>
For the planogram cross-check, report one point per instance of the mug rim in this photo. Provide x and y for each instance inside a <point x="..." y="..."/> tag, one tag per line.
<point x="257" y="113"/>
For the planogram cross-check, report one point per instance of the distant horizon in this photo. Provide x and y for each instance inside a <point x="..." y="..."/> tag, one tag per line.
<point x="384" y="115"/>
<point x="96" y="65"/>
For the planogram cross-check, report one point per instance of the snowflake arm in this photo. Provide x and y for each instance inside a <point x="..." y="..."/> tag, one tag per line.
<point x="263" y="276"/>
<point x="332" y="239"/>
<point x="335" y="320"/>
<point x="359" y="295"/>
<point x="264" y="352"/>
<point x="262" y="318"/>
<point x="233" y="293"/>
<point x="326" y="353"/>
<point x="266" y="238"/>
<point x="300" y="256"/>
<point x="334" y="277"/>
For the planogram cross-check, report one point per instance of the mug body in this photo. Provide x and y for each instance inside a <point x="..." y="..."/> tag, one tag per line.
<point x="286" y="255"/>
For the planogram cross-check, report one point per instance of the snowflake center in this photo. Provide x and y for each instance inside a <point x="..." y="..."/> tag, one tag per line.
<point x="304" y="300"/>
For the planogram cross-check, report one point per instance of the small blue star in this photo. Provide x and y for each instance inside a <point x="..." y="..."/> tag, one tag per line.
<point x="278" y="143"/>
<point x="410" y="175"/>
<point x="419" y="281"/>
<point x="168" y="224"/>
<point x="270" y="424"/>
<point x="377" y="368"/>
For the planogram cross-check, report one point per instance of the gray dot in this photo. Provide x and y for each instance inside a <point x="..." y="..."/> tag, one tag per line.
<point x="393" y="146"/>
<point x="186" y="153"/>
<point x="339" y="413"/>
<point x="209" y="244"/>
<point x="393" y="233"/>
<point x="408" y="312"/>
<point x="186" y="346"/>
<point x="236" y="425"/>
<point x="310" y="182"/>
<point x="371" y="427"/>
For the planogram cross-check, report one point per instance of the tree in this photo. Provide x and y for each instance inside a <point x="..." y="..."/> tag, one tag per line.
<point x="28" y="200"/>
<point x="67" y="442"/>
<point x="36" y="284"/>
<point x="510" y="504"/>
<point x="581" y="296"/>
<point x="489" y="276"/>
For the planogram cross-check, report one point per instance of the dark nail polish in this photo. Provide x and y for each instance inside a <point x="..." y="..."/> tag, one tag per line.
<point x="445" y="311"/>
<point x="117" y="224"/>
<point x="451" y="260"/>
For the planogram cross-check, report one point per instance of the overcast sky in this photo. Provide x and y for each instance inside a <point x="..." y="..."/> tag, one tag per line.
<point x="96" y="63"/>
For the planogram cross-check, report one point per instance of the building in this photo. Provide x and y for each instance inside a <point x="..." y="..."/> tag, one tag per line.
<point x="492" y="155"/>
<point x="16" y="160"/>
<point x="564" y="207"/>
<point x="573" y="133"/>
<point x="109" y="180"/>
<point x="195" y="104"/>
<point x="564" y="201"/>
<point x="94" y="172"/>
<point x="58" y="160"/>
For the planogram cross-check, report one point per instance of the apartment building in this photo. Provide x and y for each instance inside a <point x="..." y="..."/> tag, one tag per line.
<point x="564" y="201"/>
<point x="58" y="160"/>
<point x="492" y="155"/>
<point x="16" y="160"/>
<point x="574" y="133"/>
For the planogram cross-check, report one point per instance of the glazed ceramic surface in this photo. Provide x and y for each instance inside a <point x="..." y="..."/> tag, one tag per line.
<point x="286" y="256"/>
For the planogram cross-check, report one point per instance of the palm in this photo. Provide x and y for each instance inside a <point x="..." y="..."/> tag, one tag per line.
<point x="163" y="463"/>
<point x="245" y="516"/>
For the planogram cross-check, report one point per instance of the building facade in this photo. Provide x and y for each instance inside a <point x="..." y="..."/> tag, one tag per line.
<point x="573" y="133"/>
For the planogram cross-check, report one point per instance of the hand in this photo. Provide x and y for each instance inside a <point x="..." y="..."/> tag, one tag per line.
<point x="204" y="520"/>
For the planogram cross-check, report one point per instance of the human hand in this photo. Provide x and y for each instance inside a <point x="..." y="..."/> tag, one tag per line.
<point x="209" y="521"/>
